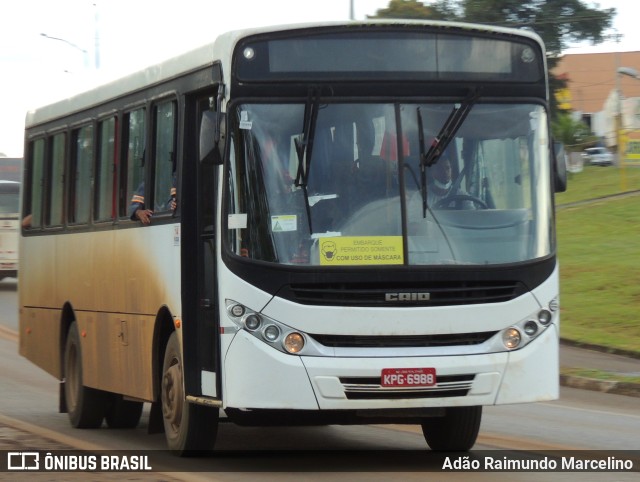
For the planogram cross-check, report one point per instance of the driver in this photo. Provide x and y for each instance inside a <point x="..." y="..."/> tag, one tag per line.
<point x="440" y="185"/>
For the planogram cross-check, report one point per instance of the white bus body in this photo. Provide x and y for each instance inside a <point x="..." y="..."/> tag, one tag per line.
<point x="308" y="274"/>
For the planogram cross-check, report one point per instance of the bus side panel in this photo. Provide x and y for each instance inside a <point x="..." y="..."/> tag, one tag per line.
<point x="39" y="328"/>
<point x="115" y="282"/>
<point x="39" y="324"/>
<point x="112" y="344"/>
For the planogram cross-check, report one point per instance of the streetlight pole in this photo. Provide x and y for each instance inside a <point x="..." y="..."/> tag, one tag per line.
<point x="85" y="53"/>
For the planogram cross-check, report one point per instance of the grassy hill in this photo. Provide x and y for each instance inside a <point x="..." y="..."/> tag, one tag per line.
<point x="599" y="252"/>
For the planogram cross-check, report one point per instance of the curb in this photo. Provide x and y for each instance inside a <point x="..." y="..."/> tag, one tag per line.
<point x="600" y="348"/>
<point x="603" y="386"/>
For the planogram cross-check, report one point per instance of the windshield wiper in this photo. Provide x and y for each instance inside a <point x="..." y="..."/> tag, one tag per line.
<point x="441" y="141"/>
<point x="304" y="148"/>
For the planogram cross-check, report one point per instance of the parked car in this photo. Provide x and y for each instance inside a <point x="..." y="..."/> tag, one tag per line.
<point x="598" y="156"/>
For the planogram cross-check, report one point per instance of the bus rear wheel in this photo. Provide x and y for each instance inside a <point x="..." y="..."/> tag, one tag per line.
<point x="190" y="429"/>
<point x="457" y="431"/>
<point x="86" y="406"/>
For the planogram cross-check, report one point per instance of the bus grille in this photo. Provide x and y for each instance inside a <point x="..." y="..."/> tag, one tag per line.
<point x="413" y="341"/>
<point x="370" y="389"/>
<point x="439" y="294"/>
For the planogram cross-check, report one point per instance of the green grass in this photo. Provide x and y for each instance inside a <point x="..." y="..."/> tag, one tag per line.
<point x="599" y="252"/>
<point x="596" y="181"/>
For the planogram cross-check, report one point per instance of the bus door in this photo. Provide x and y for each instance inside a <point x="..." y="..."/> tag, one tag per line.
<point x="199" y="197"/>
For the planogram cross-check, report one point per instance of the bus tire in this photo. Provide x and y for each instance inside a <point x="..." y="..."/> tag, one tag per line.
<point x="190" y="429"/>
<point x="456" y="431"/>
<point x="123" y="413"/>
<point x="86" y="406"/>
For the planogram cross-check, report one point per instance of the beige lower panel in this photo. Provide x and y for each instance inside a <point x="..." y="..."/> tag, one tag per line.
<point x="39" y="330"/>
<point x="117" y="352"/>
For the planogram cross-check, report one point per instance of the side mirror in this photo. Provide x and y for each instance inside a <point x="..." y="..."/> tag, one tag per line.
<point x="559" y="167"/>
<point x="212" y="137"/>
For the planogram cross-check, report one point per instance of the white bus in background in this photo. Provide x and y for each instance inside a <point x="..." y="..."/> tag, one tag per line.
<point x="9" y="221"/>
<point x="309" y="273"/>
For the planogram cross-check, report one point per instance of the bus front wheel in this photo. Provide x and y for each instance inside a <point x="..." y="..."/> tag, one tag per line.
<point x="456" y="431"/>
<point x="190" y="429"/>
<point x="86" y="406"/>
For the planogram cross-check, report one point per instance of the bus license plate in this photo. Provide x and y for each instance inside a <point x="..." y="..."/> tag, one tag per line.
<point x="408" y="377"/>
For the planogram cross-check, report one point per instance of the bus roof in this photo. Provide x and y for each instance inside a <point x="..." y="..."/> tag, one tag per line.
<point x="221" y="50"/>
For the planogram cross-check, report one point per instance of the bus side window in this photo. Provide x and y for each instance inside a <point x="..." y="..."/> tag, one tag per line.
<point x="134" y="145"/>
<point x="164" y="155"/>
<point x="105" y="200"/>
<point x="54" y="214"/>
<point x="33" y="202"/>
<point x="81" y="173"/>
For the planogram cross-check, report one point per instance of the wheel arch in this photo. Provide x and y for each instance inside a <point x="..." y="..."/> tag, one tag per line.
<point x="163" y="328"/>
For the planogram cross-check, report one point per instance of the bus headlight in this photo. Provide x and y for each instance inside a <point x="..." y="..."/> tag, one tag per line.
<point x="252" y="321"/>
<point x="544" y="317"/>
<point x="271" y="333"/>
<point x="511" y="338"/>
<point x="525" y="331"/>
<point x="530" y="328"/>
<point x="294" y="342"/>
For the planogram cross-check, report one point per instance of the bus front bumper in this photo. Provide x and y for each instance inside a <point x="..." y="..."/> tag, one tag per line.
<point x="259" y="377"/>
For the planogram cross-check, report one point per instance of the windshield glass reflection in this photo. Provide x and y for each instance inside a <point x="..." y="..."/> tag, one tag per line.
<point x="351" y="188"/>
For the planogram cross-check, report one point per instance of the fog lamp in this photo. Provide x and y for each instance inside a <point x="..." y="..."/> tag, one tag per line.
<point x="511" y="338"/>
<point x="544" y="317"/>
<point x="271" y="333"/>
<point x="530" y="327"/>
<point x="252" y="322"/>
<point x="294" y="342"/>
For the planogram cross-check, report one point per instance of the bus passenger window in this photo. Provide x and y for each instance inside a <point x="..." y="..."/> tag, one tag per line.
<point x="81" y="175"/>
<point x="164" y="157"/>
<point x="33" y="201"/>
<point x="105" y="171"/>
<point x="133" y="173"/>
<point x="55" y="212"/>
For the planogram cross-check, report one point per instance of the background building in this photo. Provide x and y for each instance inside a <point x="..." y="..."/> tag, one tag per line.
<point x="592" y="83"/>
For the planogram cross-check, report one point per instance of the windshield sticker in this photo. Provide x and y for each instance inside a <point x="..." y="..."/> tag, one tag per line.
<point x="237" y="221"/>
<point x="288" y="222"/>
<point x="245" y="123"/>
<point x="360" y="250"/>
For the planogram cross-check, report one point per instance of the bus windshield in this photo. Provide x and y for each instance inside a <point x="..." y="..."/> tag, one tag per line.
<point x="346" y="199"/>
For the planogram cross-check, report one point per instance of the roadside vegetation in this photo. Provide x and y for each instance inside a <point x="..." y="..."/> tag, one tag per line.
<point x="599" y="252"/>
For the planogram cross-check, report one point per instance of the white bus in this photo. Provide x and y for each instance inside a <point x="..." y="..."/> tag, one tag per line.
<point x="9" y="220"/>
<point x="314" y="270"/>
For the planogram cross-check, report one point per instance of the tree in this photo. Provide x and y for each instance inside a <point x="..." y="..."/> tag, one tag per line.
<point x="558" y="22"/>
<point x="412" y="9"/>
<point x="574" y="134"/>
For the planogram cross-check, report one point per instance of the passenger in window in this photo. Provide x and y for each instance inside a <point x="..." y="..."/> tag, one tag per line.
<point x="137" y="209"/>
<point x="26" y="221"/>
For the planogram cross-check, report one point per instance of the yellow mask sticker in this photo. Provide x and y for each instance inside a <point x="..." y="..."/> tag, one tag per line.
<point x="360" y="250"/>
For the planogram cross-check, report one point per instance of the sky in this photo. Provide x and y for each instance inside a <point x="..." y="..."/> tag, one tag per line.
<point x="50" y="49"/>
